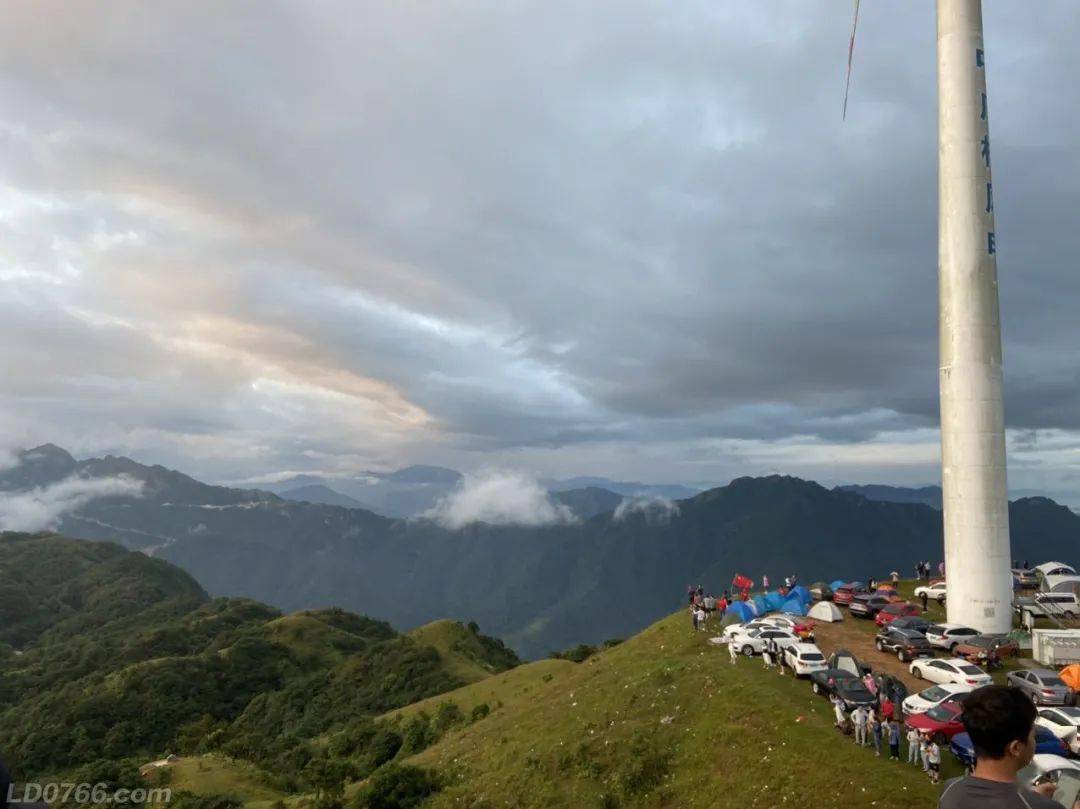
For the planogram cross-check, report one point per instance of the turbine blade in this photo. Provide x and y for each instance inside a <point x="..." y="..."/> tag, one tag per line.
<point x="850" y="57"/>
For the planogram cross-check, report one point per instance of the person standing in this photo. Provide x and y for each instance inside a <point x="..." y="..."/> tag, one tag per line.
<point x="699" y="619"/>
<point x="925" y="596"/>
<point x="765" y="582"/>
<point x="875" y="733"/>
<point x="838" y="709"/>
<point x="913" y="740"/>
<point x="933" y="759"/>
<point x="732" y="651"/>
<point x="860" y="719"/>
<point x="895" y="577"/>
<point x="781" y="658"/>
<point x="894" y="740"/>
<point x="689" y="594"/>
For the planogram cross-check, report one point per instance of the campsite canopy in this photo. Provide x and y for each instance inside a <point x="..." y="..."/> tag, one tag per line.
<point x="794" y="606"/>
<point x="837" y="584"/>
<point x="761" y="606"/>
<point x="825" y="611"/>
<point x="774" y="601"/>
<point x="742" y="610"/>
<point x="1060" y="584"/>
<point x="800" y="593"/>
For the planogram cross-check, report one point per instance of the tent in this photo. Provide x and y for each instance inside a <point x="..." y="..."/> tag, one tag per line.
<point x="800" y="593"/>
<point x="794" y="606"/>
<point x="825" y="611"/>
<point x="1071" y="676"/>
<point x="836" y="585"/>
<point x="774" y="601"/>
<point x="761" y="606"/>
<point x="741" y="610"/>
<point x="820" y="589"/>
<point x="730" y="618"/>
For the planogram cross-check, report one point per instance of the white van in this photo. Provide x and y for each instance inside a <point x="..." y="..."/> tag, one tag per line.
<point x="1060" y="605"/>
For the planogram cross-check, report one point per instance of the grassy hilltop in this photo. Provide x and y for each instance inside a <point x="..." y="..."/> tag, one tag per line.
<point x="662" y="719"/>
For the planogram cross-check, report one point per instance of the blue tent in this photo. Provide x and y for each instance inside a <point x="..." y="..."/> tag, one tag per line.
<point x="774" y="601"/>
<point x="837" y="584"/>
<point x="761" y="605"/>
<point x="794" y="606"/>
<point x="800" y="593"/>
<point x="742" y="610"/>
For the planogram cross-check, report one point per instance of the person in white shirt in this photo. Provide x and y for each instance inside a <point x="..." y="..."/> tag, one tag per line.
<point x="733" y="651"/>
<point x="700" y="616"/>
<point x="913" y="740"/>
<point x="861" y="717"/>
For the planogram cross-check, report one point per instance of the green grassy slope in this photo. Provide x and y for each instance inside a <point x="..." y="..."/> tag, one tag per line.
<point x="663" y="719"/>
<point x="464" y="653"/>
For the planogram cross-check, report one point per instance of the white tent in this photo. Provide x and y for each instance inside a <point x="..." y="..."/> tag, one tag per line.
<point x="1055" y="569"/>
<point x="825" y="611"/>
<point x="1061" y="584"/>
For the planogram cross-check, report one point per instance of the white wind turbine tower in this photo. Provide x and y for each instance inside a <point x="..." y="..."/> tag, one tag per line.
<point x="975" y="496"/>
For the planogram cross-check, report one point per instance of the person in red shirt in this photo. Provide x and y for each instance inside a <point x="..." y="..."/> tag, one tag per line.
<point x="886" y="709"/>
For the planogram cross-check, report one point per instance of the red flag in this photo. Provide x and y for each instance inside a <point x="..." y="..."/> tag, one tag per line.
<point x="740" y="582"/>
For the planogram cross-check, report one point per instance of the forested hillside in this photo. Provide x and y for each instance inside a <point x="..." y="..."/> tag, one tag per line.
<point x="110" y="659"/>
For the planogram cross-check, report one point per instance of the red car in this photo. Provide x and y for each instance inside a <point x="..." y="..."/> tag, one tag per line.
<point x="893" y="611"/>
<point x="942" y="721"/>
<point x="846" y="592"/>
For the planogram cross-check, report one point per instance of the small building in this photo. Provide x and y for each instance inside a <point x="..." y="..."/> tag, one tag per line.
<point x="1056" y="647"/>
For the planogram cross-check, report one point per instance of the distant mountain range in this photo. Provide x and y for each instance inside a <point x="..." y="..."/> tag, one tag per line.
<point x="539" y="587"/>
<point x="414" y="490"/>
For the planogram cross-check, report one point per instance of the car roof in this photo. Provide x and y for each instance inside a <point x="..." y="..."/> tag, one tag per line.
<point x="958" y="661"/>
<point x="805" y="647"/>
<point x="1043" y="672"/>
<point x="1049" y="761"/>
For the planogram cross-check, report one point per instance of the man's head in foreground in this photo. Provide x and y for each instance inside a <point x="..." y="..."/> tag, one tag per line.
<point x="1001" y="724"/>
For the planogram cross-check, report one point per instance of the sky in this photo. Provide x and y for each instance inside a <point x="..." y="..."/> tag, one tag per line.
<point x="627" y="239"/>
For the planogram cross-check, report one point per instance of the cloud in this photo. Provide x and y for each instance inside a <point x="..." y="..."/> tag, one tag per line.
<point x="499" y="498"/>
<point x="655" y="509"/>
<point x="41" y="509"/>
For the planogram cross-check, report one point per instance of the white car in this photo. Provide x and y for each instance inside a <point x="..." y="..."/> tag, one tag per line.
<point x="782" y="621"/>
<point x="752" y="642"/>
<point x="934" y="592"/>
<point x="1064" y="723"/>
<point x="954" y="670"/>
<point x="736" y="629"/>
<point x="1046" y="767"/>
<point x="934" y="695"/>
<point x="949" y="636"/>
<point x="804" y="658"/>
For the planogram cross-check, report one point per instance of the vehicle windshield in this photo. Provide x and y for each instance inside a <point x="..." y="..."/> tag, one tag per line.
<point x="943" y="713"/>
<point x="812" y="656"/>
<point x="935" y="629"/>
<point x="1072" y="713"/>
<point x="970" y="669"/>
<point x="935" y="694"/>
<point x="1052" y="682"/>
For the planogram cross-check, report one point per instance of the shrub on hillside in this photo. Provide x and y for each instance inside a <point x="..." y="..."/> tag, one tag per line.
<point x="398" y="786"/>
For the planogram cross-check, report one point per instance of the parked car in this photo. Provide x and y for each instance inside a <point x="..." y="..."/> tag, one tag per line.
<point x="935" y="695"/>
<point x="867" y="605"/>
<point x="1026" y="577"/>
<point x="751" y="643"/>
<point x="1046" y="743"/>
<point x="849" y="688"/>
<point x="978" y="648"/>
<point x="800" y="626"/>
<point x="804" y="658"/>
<point x="890" y="612"/>
<point x="954" y="670"/>
<point x="1063" y="722"/>
<point x="893" y="688"/>
<point x="1043" y="686"/>
<point x="735" y="629"/>
<point x="1060" y="605"/>
<point x="949" y="636"/>
<point x="845" y="661"/>
<point x="1045" y="769"/>
<point x="918" y="624"/>
<point x="935" y="591"/>
<point x="941" y="722"/>
<point x="906" y="644"/>
<point x="843" y="594"/>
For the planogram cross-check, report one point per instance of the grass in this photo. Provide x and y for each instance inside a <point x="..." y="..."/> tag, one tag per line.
<point x="450" y="639"/>
<point x="663" y="719"/>
<point x="214" y="775"/>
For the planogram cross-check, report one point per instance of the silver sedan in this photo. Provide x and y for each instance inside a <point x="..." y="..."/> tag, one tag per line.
<point x="1043" y="686"/>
